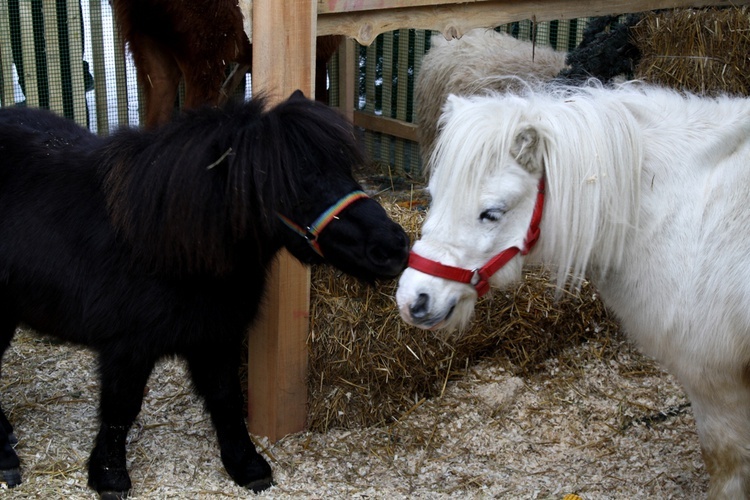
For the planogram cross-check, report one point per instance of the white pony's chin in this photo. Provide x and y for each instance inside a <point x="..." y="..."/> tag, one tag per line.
<point x="457" y="317"/>
<point x="460" y="318"/>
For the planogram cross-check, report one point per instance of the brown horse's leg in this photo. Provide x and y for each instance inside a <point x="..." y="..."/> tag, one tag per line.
<point x="203" y="82"/>
<point x="159" y="77"/>
<point x="325" y="47"/>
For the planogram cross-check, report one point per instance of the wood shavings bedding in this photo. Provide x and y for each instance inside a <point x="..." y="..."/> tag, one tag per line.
<point x="597" y="420"/>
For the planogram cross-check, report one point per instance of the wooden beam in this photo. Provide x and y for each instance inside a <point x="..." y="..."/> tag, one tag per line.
<point x="593" y="6"/>
<point x="364" y="20"/>
<point x="283" y="61"/>
<point x="384" y="125"/>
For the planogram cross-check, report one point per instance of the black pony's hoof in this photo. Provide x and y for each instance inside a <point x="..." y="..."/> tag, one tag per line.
<point x="11" y="477"/>
<point x="112" y="483"/>
<point x="258" y="485"/>
<point x="113" y="495"/>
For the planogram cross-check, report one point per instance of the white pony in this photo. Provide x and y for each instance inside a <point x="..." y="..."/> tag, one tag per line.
<point x="647" y="193"/>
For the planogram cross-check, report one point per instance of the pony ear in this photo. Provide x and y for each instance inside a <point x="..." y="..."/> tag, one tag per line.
<point x="527" y="149"/>
<point x="297" y="94"/>
<point x="449" y="104"/>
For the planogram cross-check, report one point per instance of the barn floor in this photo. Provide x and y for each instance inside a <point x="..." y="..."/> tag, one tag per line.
<point x="598" y="420"/>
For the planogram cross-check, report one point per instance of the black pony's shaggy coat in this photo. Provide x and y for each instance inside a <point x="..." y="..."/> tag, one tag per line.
<point x="154" y="243"/>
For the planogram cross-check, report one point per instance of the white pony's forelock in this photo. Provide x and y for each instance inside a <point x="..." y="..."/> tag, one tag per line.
<point x="592" y="161"/>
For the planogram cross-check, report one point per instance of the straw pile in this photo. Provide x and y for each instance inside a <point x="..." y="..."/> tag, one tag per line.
<point x="700" y="50"/>
<point x="367" y="367"/>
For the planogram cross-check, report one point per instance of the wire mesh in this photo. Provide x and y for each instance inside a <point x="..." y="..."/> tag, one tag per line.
<point x="66" y="55"/>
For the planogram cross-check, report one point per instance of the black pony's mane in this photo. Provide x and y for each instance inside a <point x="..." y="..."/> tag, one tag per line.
<point x="190" y="195"/>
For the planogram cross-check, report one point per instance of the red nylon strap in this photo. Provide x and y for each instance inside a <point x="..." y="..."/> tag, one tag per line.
<point x="479" y="278"/>
<point x="493" y="266"/>
<point x="435" y="268"/>
<point x="536" y="218"/>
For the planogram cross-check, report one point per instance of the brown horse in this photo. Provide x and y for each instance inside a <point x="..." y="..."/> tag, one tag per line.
<point x="195" y="40"/>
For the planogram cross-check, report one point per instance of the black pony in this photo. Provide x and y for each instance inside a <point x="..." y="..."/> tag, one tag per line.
<point x="148" y="244"/>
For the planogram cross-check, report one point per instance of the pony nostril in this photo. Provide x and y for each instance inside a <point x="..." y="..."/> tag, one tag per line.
<point x="420" y="307"/>
<point x="378" y="254"/>
<point x="389" y="256"/>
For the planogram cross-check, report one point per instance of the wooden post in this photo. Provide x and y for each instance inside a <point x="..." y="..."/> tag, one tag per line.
<point x="347" y="77"/>
<point x="283" y="61"/>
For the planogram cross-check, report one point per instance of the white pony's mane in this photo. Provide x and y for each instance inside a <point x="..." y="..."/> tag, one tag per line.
<point x="592" y="158"/>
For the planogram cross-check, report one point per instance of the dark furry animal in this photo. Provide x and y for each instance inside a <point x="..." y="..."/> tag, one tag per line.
<point x="148" y="244"/>
<point x="606" y="51"/>
<point x="194" y="40"/>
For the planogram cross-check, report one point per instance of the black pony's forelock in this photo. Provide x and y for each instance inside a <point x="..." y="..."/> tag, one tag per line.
<point x="185" y="195"/>
<point x="299" y="132"/>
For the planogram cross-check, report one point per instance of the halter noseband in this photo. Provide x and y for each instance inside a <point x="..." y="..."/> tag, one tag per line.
<point x="311" y="232"/>
<point x="479" y="278"/>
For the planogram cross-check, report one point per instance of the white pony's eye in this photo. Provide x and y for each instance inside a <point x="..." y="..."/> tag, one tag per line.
<point x="492" y="214"/>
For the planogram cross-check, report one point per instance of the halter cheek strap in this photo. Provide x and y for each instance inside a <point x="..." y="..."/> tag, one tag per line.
<point x="479" y="278"/>
<point x="311" y="232"/>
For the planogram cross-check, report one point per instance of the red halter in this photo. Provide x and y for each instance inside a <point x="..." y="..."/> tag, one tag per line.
<point x="479" y="278"/>
<point x="311" y="232"/>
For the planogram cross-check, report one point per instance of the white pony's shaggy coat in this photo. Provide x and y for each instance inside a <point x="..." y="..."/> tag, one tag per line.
<point x="648" y="193"/>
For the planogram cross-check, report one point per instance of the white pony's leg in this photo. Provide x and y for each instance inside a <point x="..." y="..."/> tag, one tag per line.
<point x="721" y="405"/>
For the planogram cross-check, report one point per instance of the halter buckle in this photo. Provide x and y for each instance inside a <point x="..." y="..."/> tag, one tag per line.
<point x="475" y="277"/>
<point x="311" y="232"/>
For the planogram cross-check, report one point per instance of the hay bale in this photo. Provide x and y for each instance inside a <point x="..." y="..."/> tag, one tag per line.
<point x="368" y="367"/>
<point x="700" y="50"/>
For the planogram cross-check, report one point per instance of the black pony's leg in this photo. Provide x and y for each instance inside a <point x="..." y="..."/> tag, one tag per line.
<point x="123" y="379"/>
<point x="215" y="373"/>
<point x="10" y="466"/>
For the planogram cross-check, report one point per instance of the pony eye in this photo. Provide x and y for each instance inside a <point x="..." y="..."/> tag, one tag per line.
<point x="492" y="214"/>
